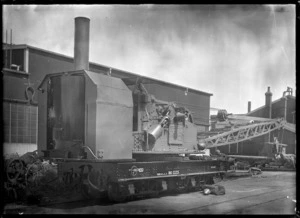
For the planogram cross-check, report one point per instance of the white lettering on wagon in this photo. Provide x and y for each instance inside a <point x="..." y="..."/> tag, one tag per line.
<point x="175" y="172"/>
<point x="134" y="170"/>
<point x="161" y="174"/>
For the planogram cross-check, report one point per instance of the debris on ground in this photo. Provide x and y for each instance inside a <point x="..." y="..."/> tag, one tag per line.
<point x="214" y="189"/>
<point x="27" y="177"/>
<point x="254" y="170"/>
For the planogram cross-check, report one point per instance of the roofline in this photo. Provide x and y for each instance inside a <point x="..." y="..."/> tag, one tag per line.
<point x="273" y="102"/>
<point x="13" y="46"/>
<point x="24" y="46"/>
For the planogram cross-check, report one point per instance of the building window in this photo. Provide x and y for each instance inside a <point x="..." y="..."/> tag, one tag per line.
<point x="20" y="123"/>
<point x="15" y="59"/>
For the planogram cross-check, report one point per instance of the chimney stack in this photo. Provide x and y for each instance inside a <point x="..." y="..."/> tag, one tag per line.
<point x="81" y="43"/>
<point x="268" y="103"/>
<point x="249" y="106"/>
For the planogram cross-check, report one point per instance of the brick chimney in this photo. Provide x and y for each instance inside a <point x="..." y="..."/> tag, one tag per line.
<point x="249" y="106"/>
<point x="268" y="104"/>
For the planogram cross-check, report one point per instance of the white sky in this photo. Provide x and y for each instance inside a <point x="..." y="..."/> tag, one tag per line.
<point x="232" y="51"/>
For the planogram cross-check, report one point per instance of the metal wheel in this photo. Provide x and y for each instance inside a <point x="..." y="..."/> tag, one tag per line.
<point x="217" y="178"/>
<point x="84" y="189"/>
<point x="32" y="177"/>
<point x="89" y="189"/>
<point x="15" y="171"/>
<point x="182" y="184"/>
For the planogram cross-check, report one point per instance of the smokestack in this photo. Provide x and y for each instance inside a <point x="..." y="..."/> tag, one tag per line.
<point x="268" y="103"/>
<point x="284" y="97"/>
<point x="81" y="43"/>
<point x="249" y="106"/>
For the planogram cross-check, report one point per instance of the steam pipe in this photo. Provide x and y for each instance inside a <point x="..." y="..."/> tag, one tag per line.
<point x="81" y="43"/>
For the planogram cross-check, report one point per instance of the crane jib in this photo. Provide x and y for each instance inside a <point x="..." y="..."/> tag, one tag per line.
<point x="243" y="133"/>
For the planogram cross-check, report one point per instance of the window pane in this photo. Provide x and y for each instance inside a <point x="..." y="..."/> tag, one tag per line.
<point x="21" y="116"/>
<point x="14" y="115"/>
<point x="20" y="108"/>
<point x="6" y="107"/>
<point x="26" y="139"/>
<point x="22" y="125"/>
<point x="26" y="132"/>
<point x="14" y="130"/>
<point x="20" y="139"/>
<point x="33" y="139"/>
<point x="6" y="122"/>
<point x="6" y="137"/>
<point x="21" y="131"/>
<point x="6" y="131"/>
<point x="13" y="139"/>
<point x="33" y="124"/>
<point x="13" y="107"/>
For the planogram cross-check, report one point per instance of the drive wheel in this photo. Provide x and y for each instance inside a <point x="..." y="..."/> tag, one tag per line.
<point x="115" y="193"/>
<point x="15" y="171"/>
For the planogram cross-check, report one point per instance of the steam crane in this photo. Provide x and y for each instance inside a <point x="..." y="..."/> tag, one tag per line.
<point x="108" y="137"/>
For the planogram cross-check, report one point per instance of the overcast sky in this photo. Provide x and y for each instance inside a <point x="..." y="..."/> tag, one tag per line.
<point x="232" y="51"/>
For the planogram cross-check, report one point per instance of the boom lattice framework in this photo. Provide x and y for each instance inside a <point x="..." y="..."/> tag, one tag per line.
<point x="243" y="133"/>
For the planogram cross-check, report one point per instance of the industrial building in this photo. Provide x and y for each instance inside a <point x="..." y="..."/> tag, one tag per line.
<point x="284" y="108"/>
<point x="25" y="67"/>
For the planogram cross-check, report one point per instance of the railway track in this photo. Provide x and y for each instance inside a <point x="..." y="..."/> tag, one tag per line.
<point x="233" y="201"/>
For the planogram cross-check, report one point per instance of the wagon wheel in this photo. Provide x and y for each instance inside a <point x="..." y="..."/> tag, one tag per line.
<point x="183" y="185"/>
<point x="217" y="178"/>
<point x="15" y="171"/>
<point x="153" y="187"/>
<point x="115" y="193"/>
<point x="84" y="189"/>
<point x="89" y="187"/>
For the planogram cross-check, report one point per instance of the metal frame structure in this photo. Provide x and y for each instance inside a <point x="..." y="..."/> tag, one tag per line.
<point x="243" y="133"/>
